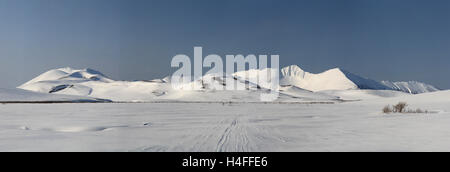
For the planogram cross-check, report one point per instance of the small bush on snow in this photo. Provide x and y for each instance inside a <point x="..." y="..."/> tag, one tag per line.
<point x="387" y="109"/>
<point x="401" y="108"/>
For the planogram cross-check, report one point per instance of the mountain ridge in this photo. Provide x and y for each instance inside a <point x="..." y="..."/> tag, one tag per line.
<point x="295" y="85"/>
<point x="340" y="79"/>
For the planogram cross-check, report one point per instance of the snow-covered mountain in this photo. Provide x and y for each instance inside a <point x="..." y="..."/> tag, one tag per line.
<point x="338" y="79"/>
<point x="412" y="87"/>
<point x="296" y="85"/>
<point x="88" y="82"/>
<point x="333" y="79"/>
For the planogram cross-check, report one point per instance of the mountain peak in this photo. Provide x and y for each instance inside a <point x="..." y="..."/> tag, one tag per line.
<point x="332" y="79"/>
<point x="340" y="79"/>
<point x="68" y="73"/>
<point x="65" y="69"/>
<point x="293" y="70"/>
<point x="336" y="71"/>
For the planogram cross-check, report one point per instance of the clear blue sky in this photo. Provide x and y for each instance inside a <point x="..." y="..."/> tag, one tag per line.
<point x="136" y="39"/>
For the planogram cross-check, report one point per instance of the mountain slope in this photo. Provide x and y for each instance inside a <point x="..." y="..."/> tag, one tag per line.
<point x="338" y="79"/>
<point x="91" y="83"/>
<point x="70" y="74"/>
<point x="412" y="87"/>
<point x="296" y="85"/>
<point x="19" y="95"/>
<point x="333" y="79"/>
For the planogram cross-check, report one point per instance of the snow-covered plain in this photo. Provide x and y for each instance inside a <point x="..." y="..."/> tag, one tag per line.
<point x="348" y="126"/>
<point x="19" y="95"/>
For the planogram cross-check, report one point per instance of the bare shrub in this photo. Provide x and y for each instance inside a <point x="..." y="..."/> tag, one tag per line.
<point x="400" y="107"/>
<point x="387" y="109"/>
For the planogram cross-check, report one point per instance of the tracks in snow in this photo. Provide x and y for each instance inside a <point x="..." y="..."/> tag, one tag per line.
<point x="237" y="133"/>
<point x="234" y="138"/>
